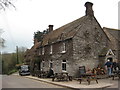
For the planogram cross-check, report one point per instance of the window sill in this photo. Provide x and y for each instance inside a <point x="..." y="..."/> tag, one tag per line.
<point x="64" y="71"/>
<point x="51" y="53"/>
<point x="63" y="52"/>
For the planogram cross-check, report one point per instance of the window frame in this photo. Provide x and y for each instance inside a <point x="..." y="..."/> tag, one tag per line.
<point x="64" y="66"/>
<point x="50" y="64"/>
<point x="51" y="49"/>
<point x="43" y="51"/>
<point x="63" y="48"/>
<point x="43" y="63"/>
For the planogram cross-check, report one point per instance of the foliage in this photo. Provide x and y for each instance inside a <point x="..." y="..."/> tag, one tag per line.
<point x="39" y="35"/>
<point x="12" y="71"/>
<point x="9" y="61"/>
<point x="21" y="52"/>
<point x="5" y="4"/>
<point x="2" y="41"/>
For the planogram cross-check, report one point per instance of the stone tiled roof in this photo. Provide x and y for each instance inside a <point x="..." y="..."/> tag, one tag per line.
<point x="30" y="53"/>
<point x="65" y="32"/>
<point x="113" y="35"/>
<point x="113" y="32"/>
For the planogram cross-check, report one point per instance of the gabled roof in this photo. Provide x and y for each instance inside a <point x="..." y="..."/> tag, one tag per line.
<point x="110" y="52"/>
<point x="112" y="33"/>
<point x="65" y="32"/>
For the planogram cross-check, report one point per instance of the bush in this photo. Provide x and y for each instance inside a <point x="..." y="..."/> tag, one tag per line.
<point x="12" y="71"/>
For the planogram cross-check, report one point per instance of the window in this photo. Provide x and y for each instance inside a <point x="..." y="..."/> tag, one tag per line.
<point x="64" y="65"/>
<point x="43" y="63"/>
<point x="43" y="51"/>
<point x="63" y="48"/>
<point x="51" y="64"/>
<point x="51" y="49"/>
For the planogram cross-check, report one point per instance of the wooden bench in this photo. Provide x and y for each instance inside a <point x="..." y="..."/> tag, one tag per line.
<point x="62" y="77"/>
<point x="42" y="74"/>
<point x="88" y="78"/>
<point x="85" y="76"/>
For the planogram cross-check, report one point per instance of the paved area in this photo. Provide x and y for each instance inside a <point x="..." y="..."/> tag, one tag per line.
<point x="0" y="82"/>
<point x="14" y="81"/>
<point x="103" y="83"/>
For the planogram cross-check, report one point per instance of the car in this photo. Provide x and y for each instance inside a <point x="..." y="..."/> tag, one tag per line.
<point x="24" y="70"/>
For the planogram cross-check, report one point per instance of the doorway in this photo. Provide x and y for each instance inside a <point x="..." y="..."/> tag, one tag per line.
<point x="110" y="58"/>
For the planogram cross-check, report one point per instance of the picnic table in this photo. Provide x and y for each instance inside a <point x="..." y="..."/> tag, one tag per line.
<point x="62" y="77"/>
<point x="87" y="77"/>
<point x="41" y="74"/>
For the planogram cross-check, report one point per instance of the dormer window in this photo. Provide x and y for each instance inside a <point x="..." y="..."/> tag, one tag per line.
<point x="63" y="47"/>
<point x="51" y="49"/>
<point x="43" y="51"/>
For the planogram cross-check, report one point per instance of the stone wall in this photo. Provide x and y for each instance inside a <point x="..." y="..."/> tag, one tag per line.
<point x="57" y="56"/>
<point x="82" y="50"/>
<point x="88" y="44"/>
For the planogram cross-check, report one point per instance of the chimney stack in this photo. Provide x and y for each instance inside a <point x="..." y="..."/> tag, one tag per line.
<point x="89" y="10"/>
<point x="50" y="28"/>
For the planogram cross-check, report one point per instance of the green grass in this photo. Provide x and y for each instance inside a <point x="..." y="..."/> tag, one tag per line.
<point x="12" y="71"/>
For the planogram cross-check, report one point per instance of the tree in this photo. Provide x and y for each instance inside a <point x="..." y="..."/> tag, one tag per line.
<point x="39" y="35"/>
<point x="9" y="61"/>
<point x="5" y="4"/>
<point x="21" y="52"/>
<point x="2" y="41"/>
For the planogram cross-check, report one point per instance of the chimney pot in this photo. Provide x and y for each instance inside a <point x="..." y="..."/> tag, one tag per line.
<point x="50" y="28"/>
<point x="89" y="10"/>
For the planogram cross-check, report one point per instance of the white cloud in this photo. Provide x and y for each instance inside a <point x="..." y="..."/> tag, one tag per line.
<point x="33" y="15"/>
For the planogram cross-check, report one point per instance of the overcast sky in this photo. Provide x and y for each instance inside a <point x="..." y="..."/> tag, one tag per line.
<point x="31" y="15"/>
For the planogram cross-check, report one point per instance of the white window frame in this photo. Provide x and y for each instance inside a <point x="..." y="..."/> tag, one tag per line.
<point x="43" y="51"/>
<point x="63" y="48"/>
<point x="51" y="49"/>
<point x="50" y="63"/>
<point x="64" y="63"/>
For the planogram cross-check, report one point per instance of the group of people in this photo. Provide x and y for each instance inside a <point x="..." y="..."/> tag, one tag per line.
<point x="112" y="66"/>
<point x="98" y="71"/>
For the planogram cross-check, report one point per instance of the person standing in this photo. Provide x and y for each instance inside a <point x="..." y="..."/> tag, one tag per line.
<point x="118" y="65"/>
<point x="108" y="65"/>
<point x="50" y="73"/>
<point x="114" y="65"/>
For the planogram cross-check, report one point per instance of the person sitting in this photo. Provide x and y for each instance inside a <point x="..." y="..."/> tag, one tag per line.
<point x="88" y="71"/>
<point x="94" y="71"/>
<point x="50" y="73"/>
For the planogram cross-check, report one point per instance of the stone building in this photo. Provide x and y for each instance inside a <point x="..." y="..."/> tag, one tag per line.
<point x="82" y="42"/>
<point x="113" y="50"/>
